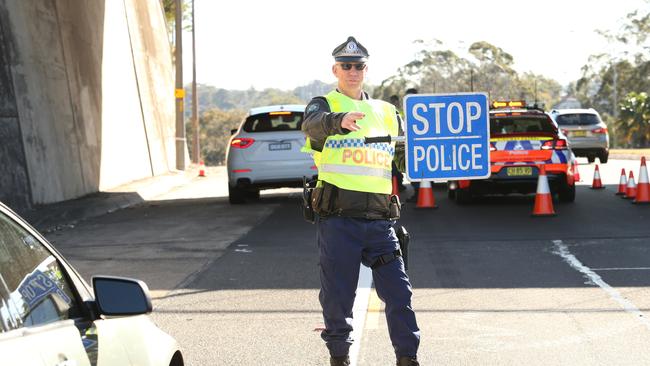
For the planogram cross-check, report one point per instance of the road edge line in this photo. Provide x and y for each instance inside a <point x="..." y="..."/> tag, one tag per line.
<point x="359" y="311"/>
<point x="562" y="250"/>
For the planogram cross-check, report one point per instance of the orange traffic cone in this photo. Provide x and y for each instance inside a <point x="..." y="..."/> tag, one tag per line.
<point x="622" y="184"/>
<point x="576" y="172"/>
<point x="202" y="169"/>
<point x="643" y="188"/>
<point x="597" y="183"/>
<point x="543" y="198"/>
<point x="630" y="191"/>
<point x="395" y="186"/>
<point x="425" y="196"/>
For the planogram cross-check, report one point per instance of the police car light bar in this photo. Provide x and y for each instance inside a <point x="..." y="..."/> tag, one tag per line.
<point x="509" y="104"/>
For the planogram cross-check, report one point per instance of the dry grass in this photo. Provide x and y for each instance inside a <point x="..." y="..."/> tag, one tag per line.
<point x="636" y="152"/>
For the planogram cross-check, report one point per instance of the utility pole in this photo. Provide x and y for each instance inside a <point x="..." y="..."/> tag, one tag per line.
<point x="196" y="152"/>
<point x="471" y="79"/>
<point x="614" y="90"/>
<point x="179" y="93"/>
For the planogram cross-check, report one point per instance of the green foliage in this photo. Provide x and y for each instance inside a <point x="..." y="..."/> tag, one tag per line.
<point x="214" y="133"/>
<point x="169" y="7"/>
<point x="490" y="70"/>
<point x="633" y="125"/>
<point x="613" y="83"/>
<point x="210" y="97"/>
<point x="222" y="110"/>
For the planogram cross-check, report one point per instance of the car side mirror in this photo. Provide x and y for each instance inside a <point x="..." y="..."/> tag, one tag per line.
<point x="232" y="132"/>
<point x="121" y="296"/>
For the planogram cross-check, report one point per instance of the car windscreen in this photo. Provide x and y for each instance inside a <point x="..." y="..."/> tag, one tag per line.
<point x="274" y="121"/>
<point x="521" y="124"/>
<point x="577" y="119"/>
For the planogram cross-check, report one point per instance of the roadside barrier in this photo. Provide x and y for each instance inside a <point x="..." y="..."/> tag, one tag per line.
<point x="597" y="183"/>
<point x="643" y="188"/>
<point x="202" y="169"/>
<point x="543" y="198"/>
<point x="622" y="184"/>
<point x="630" y="192"/>
<point x="425" y="196"/>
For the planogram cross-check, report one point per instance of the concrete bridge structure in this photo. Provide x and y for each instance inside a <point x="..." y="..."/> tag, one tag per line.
<point x="86" y="97"/>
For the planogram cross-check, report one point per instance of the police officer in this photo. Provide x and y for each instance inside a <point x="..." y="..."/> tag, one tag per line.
<point x="355" y="210"/>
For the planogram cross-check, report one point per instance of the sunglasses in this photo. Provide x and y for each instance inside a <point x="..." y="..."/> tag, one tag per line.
<point x="357" y="67"/>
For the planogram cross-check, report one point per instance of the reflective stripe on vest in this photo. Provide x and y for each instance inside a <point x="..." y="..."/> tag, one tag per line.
<point x="346" y="161"/>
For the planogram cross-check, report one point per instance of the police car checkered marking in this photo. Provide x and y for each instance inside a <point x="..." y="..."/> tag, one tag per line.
<point x="340" y="144"/>
<point x="557" y="157"/>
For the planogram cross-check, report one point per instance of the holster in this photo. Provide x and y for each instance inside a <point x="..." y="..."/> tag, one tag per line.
<point x="307" y="207"/>
<point x="404" y="238"/>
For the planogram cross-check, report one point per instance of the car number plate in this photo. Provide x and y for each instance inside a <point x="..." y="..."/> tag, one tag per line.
<point x="282" y="146"/>
<point x="579" y="133"/>
<point x="519" y="171"/>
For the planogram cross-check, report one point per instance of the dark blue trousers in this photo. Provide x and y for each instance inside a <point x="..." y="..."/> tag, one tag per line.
<point x="345" y="243"/>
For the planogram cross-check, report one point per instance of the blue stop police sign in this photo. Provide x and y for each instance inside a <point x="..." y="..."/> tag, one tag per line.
<point x="447" y="136"/>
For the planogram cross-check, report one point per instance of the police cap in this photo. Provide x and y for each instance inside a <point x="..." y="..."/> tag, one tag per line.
<point x="350" y="51"/>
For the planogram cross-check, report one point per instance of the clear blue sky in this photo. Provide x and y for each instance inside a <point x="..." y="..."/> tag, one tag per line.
<point x="287" y="43"/>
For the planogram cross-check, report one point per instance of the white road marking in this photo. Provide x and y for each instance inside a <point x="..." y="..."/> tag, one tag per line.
<point x="563" y="251"/>
<point x="622" y="269"/>
<point x="359" y="311"/>
<point x="373" y="319"/>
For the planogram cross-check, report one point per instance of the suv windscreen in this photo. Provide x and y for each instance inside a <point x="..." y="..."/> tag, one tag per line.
<point x="274" y="121"/>
<point x="520" y="124"/>
<point x="580" y="119"/>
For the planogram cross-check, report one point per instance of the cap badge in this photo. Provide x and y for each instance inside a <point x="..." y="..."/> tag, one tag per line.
<point x="351" y="47"/>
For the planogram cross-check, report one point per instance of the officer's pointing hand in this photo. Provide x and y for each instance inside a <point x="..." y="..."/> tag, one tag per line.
<point x="350" y="120"/>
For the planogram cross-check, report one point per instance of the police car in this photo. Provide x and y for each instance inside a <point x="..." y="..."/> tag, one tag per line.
<point x="264" y="152"/>
<point x="522" y="139"/>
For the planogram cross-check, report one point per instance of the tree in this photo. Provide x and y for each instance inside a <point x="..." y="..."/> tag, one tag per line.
<point x="487" y="68"/>
<point x="214" y="134"/>
<point x="612" y="81"/>
<point x="633" y="125"/>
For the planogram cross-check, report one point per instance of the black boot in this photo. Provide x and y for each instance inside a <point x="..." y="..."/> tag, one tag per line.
<point x="407" y="361"/>
<point x="340" y="361"/>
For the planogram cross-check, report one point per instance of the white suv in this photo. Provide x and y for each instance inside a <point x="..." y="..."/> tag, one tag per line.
<point x="264" y="152"/>
<point x="586" y="132"/>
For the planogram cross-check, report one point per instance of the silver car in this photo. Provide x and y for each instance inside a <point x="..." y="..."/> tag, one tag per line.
<point x="264" y="152"/>
<point x="586" y="132"/>
<point x="50" y="316"/>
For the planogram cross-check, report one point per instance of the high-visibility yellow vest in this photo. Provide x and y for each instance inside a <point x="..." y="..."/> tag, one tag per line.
<point x="349" y="163"/>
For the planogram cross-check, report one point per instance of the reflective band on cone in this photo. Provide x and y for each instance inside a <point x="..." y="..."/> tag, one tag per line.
<point x="630" y="191"/>
<point x="202" y="169"/>
<point x="597" y="183"/>
<point x="622" y="184"/>
<point x="643" y="188"/>
<point x="425" y="196"/>
<point x="543" y="197"/>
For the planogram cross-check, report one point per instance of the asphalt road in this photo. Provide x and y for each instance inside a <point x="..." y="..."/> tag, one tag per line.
<point x="492" y="285"/>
